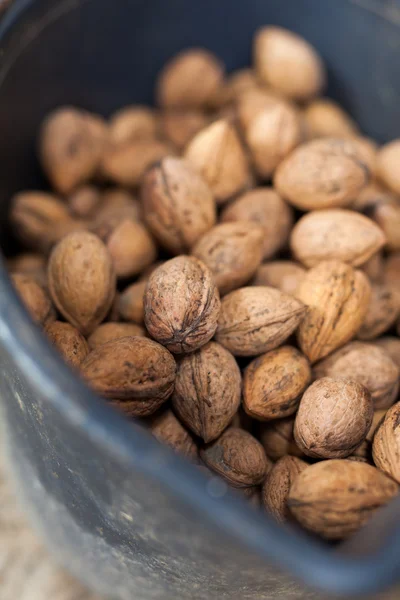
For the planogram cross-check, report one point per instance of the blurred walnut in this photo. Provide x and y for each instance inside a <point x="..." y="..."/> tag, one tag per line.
<point x="277" y="438"/>
<point x="277" y="485"/>
<point x="35" y="298"/>
<point x="69" y="342"/>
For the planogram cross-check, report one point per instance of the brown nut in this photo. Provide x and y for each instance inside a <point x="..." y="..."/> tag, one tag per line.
<point x="391" y="273"/>
<point x="179" y="126"/>
<point x="387" y="216"/>
<point x="382" y="312"/>
<point x="235" y="84"/>
<point x="277" y="438"/>
<point x="251" y="102"/>
<point x="369" y="365"/>
<point x="337" y="297"/>
<point x="125" y="164"/>
<point x="131" y="248"/>
<point x="386" y="444"/>
<point x="84" y="201"/>
<point x="266" y="208"/>
<point x="284" y="275"/>
<point x="135" y="370"/>
<point x="288" y="63"/>
<point x="130" y="302"/>
<point x="371" y="196"/>
<point x="255" y="320"/>
<point x="325" y="118"/>
<point x="69" y="342"/>
<point x="34" y="297"/>
<point x="82" y="280"/>
<point x="168" y="430"/>
<point x="31" y="264"/>
<point x="374" y="267"/>
<point x="335" y="234"/>
<point x="181" y="304"/>
<point x="207" y="391"/>
<point x="388" y="165"/>
<point x="177" y="203"/>
<point x="368" y="151"/>
<point x="217" y="154"/>
<point x="117" y="205"/>
<point x="392" y="346"/>
<point x="232" y="252"/>
<point x="324" y="173"/>
<point x="190" y="80"/>
<point x="365" y="449"/>
<point x="132" y="123"/>
<point x="237" y="457"/>
<point x="333" y="419"/>
<point x="107" y="332"/>
<point x="70" y="147"/>
<point x="274" y="382"/>
<point x="334" y="498"/>
<point x="277" y="485"/>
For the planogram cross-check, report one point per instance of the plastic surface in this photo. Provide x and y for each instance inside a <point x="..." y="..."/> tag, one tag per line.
<point x="127" y="516"/>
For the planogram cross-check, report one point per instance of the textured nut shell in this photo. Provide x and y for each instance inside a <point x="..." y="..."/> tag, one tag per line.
<point x="325" y="173"/>
<point x="178" y="204"/>
<point x="168" y="430"/>
<point x="277" y="438"/>
<point x="84" y="201"/>
<point x="190" y="79"/>
<point x="325" y="118"/>
<point x="131" y="248"/>
<point x="369" y="365"/>
<point x="333" y="419"/>
<point x="180" y="126"/>
<point x="365" y="449"/>
<point x="207" y="391"/>
<point x="277" y="485"/>
<point x="387" y="216"/>
<point x="273" y="383"/>
<point x="254" y="320"/>
<point x="237" y="457"/>
<point x="386" y="444"/>
<point x="34" y="297"/>
<point x="69" y="342"/>
<point x="337" y="297"/>
<point x="133" y="369"/>
<point x="382" y="313"/>
<point x="181" y="304"/>
<point x="217" y="154"/>
<point x="132" y="123"/>
<point x="284" y="275"/>
<point x="391" y="273"/>
<point x="130" y="302"/>
<point x="266" y="208"/>
<point x="392" y="346"/>
<point x="335" y="234"/>
<point x="82" y="280"/>
<point x="388" y="165"/>
<point x="334" y="498"/>
<point x="288" y="63"/>
<point x="232" y="252"/>
<point x="107" y="332"/>
<point x="126" y="163"/>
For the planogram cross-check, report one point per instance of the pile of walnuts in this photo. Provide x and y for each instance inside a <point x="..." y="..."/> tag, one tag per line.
<point x="226" y="267"/>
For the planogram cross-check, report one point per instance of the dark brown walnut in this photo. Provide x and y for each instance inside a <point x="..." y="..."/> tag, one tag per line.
<point x="337" y="297"/>
<point x="134" y="370"/>
<point x="177" y="203"/>
<point x="82" y="280"/>
<point x="391" y="271"/>
<point x="133" y="122"/>
<point x="365" y="449"/>
<point x="392" y="346"/>
<point x="334" y="418"/>
<point x="335" y="234"/>
<point x="277" y="486"/>
<point x="335" y="498"/>
<point x="232" y="252"/>
<point x="326" y="118"/>
<point x="325" y="173"/>
<point x="257" y="319"/>
<point x="107" y="332"/>
<point x="267" y="209"/>
<point x="34" y="297"/>
<point x="277" y="438"/>
<point x="69" y="342"/>
<point x="131" y="248"/>
<point x="207" y="391"/>
<point x="274" y="382"/>
<point x="179" y="126"/>
<point x="116" y="206"/>
<point x="237" y="457"/>
<point x="388" y="160"/>
<point x="190" y="80"/>
<point x="84" y="201"/>
<point x="126" y="163"/>
<point x="168" y="430"/>
<point x="130" y="303"/>
<point x="383" y="310"/>
<point x="181" y="304"/>
<point x="284" y="275"/>
<point x="386" y="444"/>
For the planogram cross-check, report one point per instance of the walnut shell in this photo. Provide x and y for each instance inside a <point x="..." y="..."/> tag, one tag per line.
<point x="181" y="304"/>
<point x="386" y="444"/>
<point x="168" y="430"/>
<point x="235" y="84"/>
<point x="116" y="206"/>
<point x="335" y="234"/>
<point x="190" y="79"/>
<point x="277" y="485"/>
<point x="388" y="165"/>
<point x="325" y="118"/>
<point x="30" y="264"/>
<point x="237" y="457"/>
<point x="254" y="320"/>
<point x="82" y="280"/>
<point x="69" y="342"/>
<point x="84" y="201"/>
<point x="132" y="123"/>
<point x="180" y="126"/>
<point x="383" y="310"/>
<point x="135" y="370"/>
<point x="374" y="267"/>
<point x="131" y="248"/>
<point x="126" y="163"/>
<point x="387" y="216"/>
<point x="107" y="332"/>
<point x="371" y="196"/>
<point x="323" y="173"/>
<point x="391" y="273"/>
<point x="178" y="204"/>
<point x="232" y="252"/>
<point x="288" y="63"/>
<point x="277" y="438"/>
<point x="333" y="419"/>
<point x="392" y="346"/>
<point x="251" y="102"/>
<point x="217" y="154"/>
<point x="34" y="297"/>
<point x="337" y="297"/>
<point x="207" y="391"/>
<point x="284" y="275"/>
<point x="274" y="382"/>
<point x="130" y="302"/>
<point x="334" y="498"/>
<point x="368" y="151"/>
<point x="266" y="208"/>
<point x="365" y="449"/>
